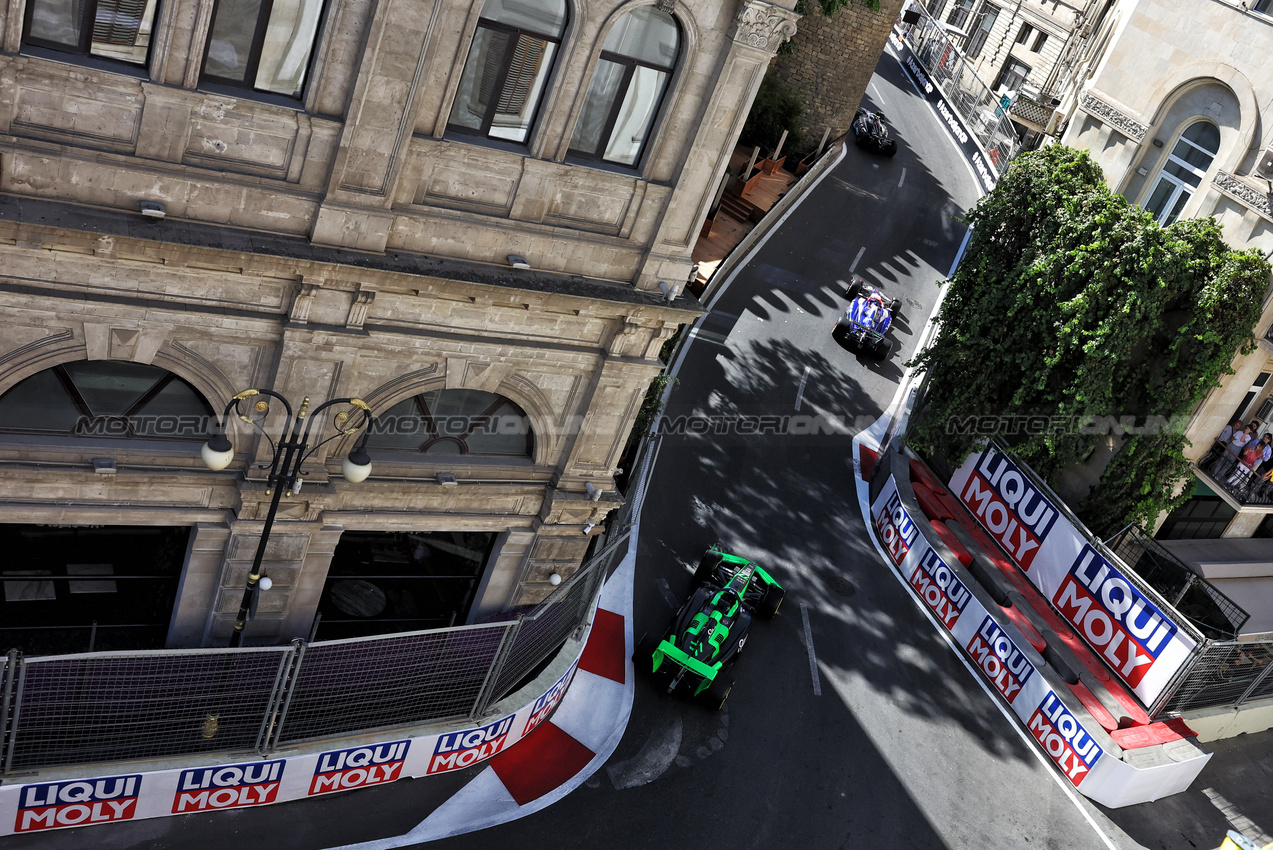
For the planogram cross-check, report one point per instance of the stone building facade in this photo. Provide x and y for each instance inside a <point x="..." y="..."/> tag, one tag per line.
<point x="1027" y="48"/>
<point x="482" y="208"/>
<point x="1174" y="101"/>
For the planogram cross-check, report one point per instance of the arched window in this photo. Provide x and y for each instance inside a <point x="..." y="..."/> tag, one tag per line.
<point x="508" y="64"/>
<point x="1183" y="171"/>
<point x="263" y="45"/>
<point x="107" y="398"/>
<point x="454" y="422"/>
<point x="627" y="88"/>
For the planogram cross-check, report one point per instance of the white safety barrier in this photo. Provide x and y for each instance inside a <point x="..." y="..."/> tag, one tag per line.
<point x="1060" y="726"/>
<point x="1124" y="624"/>
<point x="131" y="796"/>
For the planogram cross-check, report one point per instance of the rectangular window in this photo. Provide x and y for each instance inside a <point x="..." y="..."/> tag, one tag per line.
<point x="985" y="24"/>
<point x="1014" y="73"/>
<point x="1261" y="6"/>
<point x="110" y="29"/>
<point x="959" y="14"/>
<point x="264" y="45"/>
<point x="1024" y="35"/>
<point x="1038" y="42"/>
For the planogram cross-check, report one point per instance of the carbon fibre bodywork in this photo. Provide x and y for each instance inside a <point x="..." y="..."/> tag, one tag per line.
<point x="711" y="628"/>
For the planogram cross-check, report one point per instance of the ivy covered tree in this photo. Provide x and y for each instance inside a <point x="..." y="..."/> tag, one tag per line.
<point x="1073" y="304"/>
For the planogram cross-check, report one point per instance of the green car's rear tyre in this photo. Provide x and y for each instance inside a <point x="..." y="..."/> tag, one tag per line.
<point x="707" y="566"/>
<point x="771" y="602"/>
<point x="718" y="692"/>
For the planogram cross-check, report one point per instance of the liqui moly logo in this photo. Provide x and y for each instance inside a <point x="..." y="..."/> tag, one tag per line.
<point x="896" y="528"/>
<point x="544" y="705"/>
<point x="1115" y="618"/>
<point x="227" y="787"/>
<point x="358" y="767"/>
<point x="937" y="586"/>
<point x="1064" y="738"/>
<point x="1000" y="659"/>
<point x="461" y="749"/>
<point x="51" y="805"/>
<point x="1009" y="506"/>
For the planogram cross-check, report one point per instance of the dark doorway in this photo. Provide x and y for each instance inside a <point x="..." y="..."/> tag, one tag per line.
<point x="382" y="582"/>
<point x="76" y="589"/>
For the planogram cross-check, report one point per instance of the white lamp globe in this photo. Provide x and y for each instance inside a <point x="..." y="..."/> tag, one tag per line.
<point x="217" y="453"/>
<point x="357" y="466"/>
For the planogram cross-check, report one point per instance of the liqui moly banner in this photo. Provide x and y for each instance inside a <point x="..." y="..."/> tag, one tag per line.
<point x="129" y="796"/>
<point x="995" y="650"/>
<point x="1127" y="627"/>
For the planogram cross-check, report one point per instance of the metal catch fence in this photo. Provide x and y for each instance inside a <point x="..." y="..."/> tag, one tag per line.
<point x="112" y="706"/>
<point x="1216" y="615"/>
<point x="967" y="94"/>
<point x="1224" y="674"/>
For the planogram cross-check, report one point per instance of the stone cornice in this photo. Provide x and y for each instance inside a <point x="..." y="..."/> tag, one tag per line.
<point x="1116" y="118"/>
<point x="763" y="26"/>
<point x="1240" y="190"/>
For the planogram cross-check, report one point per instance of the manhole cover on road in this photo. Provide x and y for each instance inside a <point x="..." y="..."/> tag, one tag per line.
<point x="914" y="303"/>
<point x="842" y="586"/>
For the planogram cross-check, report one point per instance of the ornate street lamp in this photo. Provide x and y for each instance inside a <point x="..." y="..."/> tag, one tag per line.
<point x="289" y="455"/>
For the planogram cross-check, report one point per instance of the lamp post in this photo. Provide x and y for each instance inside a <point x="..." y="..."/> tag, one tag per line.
<point x="289" y="455"/>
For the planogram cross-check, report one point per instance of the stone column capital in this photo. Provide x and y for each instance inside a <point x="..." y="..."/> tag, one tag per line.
<point x="762" y="25"/>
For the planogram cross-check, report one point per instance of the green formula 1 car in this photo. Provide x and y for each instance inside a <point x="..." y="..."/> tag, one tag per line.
<point x="711" y="628"/>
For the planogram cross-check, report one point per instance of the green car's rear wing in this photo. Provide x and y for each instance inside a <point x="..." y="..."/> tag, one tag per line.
<point x="665" y="649"/>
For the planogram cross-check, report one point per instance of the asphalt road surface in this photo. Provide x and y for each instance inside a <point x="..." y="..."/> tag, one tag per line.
<point x="894" y="744"/>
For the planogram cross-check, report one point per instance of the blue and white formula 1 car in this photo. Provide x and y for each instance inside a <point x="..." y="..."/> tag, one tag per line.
<point x="868" y="319"/>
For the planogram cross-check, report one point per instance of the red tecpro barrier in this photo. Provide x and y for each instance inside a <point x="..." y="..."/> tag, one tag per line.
<point x="923" y="480"/>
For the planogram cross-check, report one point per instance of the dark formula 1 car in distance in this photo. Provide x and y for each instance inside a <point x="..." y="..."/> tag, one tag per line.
<point x="711" y="628"/>
<point x="870" y="133"/>
<point x="868" y="319"/>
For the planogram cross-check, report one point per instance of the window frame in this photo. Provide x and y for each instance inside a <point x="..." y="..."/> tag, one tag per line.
<point x="83" y="52"/>
<point x="435" y="437"/>
<point x="980" y="35"/>
<point x="629" y="65"/>
<point x="1179" y="185"/>
<point x="1024" y="35"/>
<point x="961" y="6"/>
<point x="248" y="85"/>
<point x="1039" y="41"/>
<point x="506" y="64"/>
<point x="1003" y="73"/>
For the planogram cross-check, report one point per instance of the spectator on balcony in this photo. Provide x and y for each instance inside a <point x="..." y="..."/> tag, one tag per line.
<point x="1255" y="453"/>
<point x="1232" y="449"/>
<point x="1217" y="448"/>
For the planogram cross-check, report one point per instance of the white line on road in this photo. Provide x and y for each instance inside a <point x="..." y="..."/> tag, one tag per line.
<point x="808" y="642"/>
<point x="668" y="596"/>
<point x="861" y="251"/>
<point x="875" y="96"/>
<point x="902" y="179"/>
<point x="800" y="392"/>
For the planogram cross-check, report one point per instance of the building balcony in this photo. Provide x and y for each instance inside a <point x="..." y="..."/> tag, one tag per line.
<point x="1035" y="114"/>
<point x="1246" y="493"/>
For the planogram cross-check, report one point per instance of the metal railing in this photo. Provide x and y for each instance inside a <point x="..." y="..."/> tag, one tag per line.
<point x="110" y="706"/>
<point x="1224" y="674"/>
<point x="964" y="90"/>
<point x="1216" y="615"/>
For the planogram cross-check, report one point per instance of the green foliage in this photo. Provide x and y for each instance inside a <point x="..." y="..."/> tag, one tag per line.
<point x="775" y="109"/>
<point x="650" y="407"/>
<point x="1072" y="302"/>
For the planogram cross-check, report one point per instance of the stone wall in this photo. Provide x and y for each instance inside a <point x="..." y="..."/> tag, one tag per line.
<point x="833" y="61"/>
